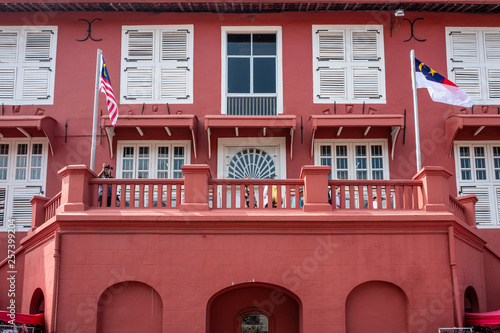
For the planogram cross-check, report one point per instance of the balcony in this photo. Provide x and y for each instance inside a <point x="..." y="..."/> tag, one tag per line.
<point x="199" y="193"/>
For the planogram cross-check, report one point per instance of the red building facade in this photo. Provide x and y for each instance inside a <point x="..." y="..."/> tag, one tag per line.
<point x="265" y="167"/>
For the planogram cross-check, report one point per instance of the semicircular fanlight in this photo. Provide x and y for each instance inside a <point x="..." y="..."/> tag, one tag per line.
<point x="253" y="163"/>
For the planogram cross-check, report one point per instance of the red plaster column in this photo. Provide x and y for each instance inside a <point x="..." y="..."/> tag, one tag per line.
<point x="315" y="188"/>
<point x="469" y="203"/>
<point x="436" y="190"/>
<point x="75" y="189"/>
<point x="195" y="187"/>
<point x="37" y="211"/>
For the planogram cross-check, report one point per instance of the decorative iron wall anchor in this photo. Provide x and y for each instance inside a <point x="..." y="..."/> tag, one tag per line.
<point x="411" y="30"/>
<point x="89" y="31"/>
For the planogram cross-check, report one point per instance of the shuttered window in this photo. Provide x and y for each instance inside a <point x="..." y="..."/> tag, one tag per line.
<point x="27" y="65"/>
<point x="473" y="62"/>
<point x="348" y="64"/>
<point x="23" y="166"/>
<point x="157" y="64"/>
<point x="478" y="172"/>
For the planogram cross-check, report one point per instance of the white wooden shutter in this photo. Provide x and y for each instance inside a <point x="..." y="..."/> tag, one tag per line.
<point x="3" y="191"/>
<point x="366" y="82"/>
<point x="8" y="46"/>
<point x="494" y="83"/>
<point x="175" y="64"/>
<point x="174" y="45"/>
<point x="469" y="80"/>
<point x="331" y="45"/>
<point x="483" y="205"/>
<point x="8" y="54"/>
<point x="365" y="45"/>
<point x="21" y="206"/>
<point x="37" y="46"/>
<point x="492" y="46"/>
<point x="36" y="83"/>
<point x="497" y="203"/>
<point x="139" y="83"/>
<point x="464" y="46"/>
<point x="332" y="82"/>
<point x="7" y="83"/>
<point x="140" y="46"/>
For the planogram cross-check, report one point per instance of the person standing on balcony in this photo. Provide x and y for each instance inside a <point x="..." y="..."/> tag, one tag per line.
<point x="105" y="173"/>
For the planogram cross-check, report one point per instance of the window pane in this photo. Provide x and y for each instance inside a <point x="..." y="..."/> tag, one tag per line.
<point x="254" y="323"/>
<point x="496" y="161"/>
<point x="178" y="152"/>
<point x="264" y="73"/>
<point x="264" y="44"/>
<point x="238" y="76"/>
<point x="466" y="175"/>
<point x="162" y="164"/>
<point x="238" y="44"/>
<point x="4" y="158"/>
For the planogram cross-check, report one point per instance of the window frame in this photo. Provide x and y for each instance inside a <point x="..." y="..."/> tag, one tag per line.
<point x="225" y="30"/>
<point x="347" y="64"/>
<point x="11" y="185"/>
<point x="153" y="159"/>
<point x="224" y="144"/>
<point x="351" y="162"/>
<point x="156" y="64"/>
<point x="489" y="187"/>
<point x="480" y="63"/>
<point x="20" y="64"/>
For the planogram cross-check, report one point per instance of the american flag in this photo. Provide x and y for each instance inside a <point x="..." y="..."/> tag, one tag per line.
<point x="105" y="85"/>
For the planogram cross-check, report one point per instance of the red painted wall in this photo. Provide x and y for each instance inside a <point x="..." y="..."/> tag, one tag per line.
<point x="75" y="70"/>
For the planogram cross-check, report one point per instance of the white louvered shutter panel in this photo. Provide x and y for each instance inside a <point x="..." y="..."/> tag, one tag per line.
<point x="497" y="202"/>
<point x="8" y="54"/>
<point x="366" y="82"/>
<point x="140" y="46"/>
<point x="331" y="45"/>
<point x="36" y="83"/>
<point x="332" y="82"/>
<point x="469" y="80"/>
<point x="139" y="83"/>
<point x="464" y="47"/>
<point x="492" y="46"/>
<point x="494" y="83"/>
<point x="175" y="64"/>
<point x="139" y="59"/>
<point x="2" y="204"/>
<point x="465" y="58"/>
<point x="483" y="205"/>
<point x="21" y="206"/>
<point x="37" y="65"/>
<point x="7" y="83"/>
<point x="365" y="45"/>
<point x="8" y="46"/>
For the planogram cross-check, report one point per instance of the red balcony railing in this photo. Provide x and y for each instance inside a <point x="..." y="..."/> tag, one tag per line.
<point x="198" y="191"/>
<point x="136" y="193"/>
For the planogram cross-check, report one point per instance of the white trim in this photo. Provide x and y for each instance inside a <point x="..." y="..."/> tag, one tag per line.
<point x="153" y="145"/>
<point x="351" y="167"/>
<point x="279" y="58"/>
<point x="250" y="142"/>
<point x="348" y="65"/>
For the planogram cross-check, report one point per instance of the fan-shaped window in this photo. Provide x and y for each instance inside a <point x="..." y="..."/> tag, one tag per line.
<point x="253" y="163"/>
<point x="254" y="323"/>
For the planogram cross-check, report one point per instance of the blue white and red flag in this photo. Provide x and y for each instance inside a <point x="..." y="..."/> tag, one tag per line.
<point x="440" y="88"/>
<point x="105" y="85"/>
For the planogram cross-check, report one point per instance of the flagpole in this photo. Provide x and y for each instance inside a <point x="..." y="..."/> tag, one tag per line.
<point x="96" y="105"/>
<point x="415" y="110"/>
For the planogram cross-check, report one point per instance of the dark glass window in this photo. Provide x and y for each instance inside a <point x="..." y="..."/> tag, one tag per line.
<point x="251" y="63"/>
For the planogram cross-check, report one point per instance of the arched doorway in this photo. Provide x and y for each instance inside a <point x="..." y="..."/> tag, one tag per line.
<point x="377" y="307"/>
<point x="254" y="307"/>
<point x="471" y="303"/>
<point x="37" y="304"/>
<point x="130" y="307"/>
